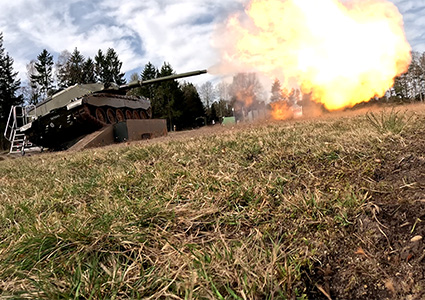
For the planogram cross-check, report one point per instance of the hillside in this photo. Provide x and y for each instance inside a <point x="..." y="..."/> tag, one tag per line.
<point x="330" y="208"/>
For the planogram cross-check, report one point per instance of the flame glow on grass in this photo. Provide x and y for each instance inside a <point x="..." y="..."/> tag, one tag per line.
<point x="343" y="53"/>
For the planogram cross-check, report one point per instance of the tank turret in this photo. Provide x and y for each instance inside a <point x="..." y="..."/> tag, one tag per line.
<point x="63" y="118"/>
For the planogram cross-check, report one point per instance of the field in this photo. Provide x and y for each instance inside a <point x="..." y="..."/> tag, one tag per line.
<point x="326" y="208"/>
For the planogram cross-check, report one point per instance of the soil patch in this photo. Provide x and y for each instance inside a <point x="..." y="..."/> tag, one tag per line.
<point x="385" y="259"/>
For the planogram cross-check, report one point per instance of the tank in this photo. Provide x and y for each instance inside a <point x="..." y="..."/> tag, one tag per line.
<point x="62" y="119"/>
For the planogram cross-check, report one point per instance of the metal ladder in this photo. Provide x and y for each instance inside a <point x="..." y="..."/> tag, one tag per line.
<point x="18" y="117"/>
<point x="17" y="144"/>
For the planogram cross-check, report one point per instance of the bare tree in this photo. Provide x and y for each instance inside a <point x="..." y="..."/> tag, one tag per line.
<point x="207" y="93"/>
<point x="419" y="68"/>
<point x="31" y="92"/>
<point x="62" y="68"/>
<point x="246" y="89"/>
<point x="223" y="91"/>
<point x="410" y="86"/>
<point x="246" y="93"/>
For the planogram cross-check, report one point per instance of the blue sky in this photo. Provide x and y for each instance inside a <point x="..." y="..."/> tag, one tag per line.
<point x="413" y="12"/>
<point x="176" y="31"/>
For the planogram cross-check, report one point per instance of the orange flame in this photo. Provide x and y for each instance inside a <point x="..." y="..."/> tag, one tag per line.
<point x="341" y="53"/>
<point x="281" y="110"/>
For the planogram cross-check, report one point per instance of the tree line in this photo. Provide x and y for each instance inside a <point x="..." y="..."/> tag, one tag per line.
<point x="179" y="104"/>
<point x="70" y="69"/>
<point x="237" y="98"/>
<point x="410" y="86"/>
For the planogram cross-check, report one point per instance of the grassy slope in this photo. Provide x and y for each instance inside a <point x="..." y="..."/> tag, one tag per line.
<point x="279" y="210"/>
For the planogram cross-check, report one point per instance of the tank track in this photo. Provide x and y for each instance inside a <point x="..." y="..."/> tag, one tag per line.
<point x="103" y="116"/>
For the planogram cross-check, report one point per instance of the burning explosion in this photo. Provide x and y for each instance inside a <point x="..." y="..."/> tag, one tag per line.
<point x="342" y="53"/>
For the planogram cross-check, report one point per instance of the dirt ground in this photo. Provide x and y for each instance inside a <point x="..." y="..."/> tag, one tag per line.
<point x="388" y="235"/>
<point x="4" y="155"/>
<point x="389" y="260"/>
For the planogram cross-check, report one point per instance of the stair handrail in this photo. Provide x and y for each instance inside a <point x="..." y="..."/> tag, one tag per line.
<point x="7" y="135"/>
<point x="12" y="140"/>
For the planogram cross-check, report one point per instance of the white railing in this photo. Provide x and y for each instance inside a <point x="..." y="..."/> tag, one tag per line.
<point x="27" y="114"/>
<point x="10" y="128"/>
<point x="18" y="117"/>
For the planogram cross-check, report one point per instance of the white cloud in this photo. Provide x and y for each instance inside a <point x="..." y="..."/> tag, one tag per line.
<point x="414" y="23"/>
<point x="176" y="31"/>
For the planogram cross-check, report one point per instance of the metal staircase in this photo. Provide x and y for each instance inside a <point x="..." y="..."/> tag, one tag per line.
<point x="18" y="117"/>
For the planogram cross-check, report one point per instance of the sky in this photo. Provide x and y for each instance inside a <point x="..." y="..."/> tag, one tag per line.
<point x="175" y="31"/>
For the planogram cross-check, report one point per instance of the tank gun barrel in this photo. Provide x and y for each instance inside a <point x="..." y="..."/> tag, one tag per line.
<point x="139" y="83"/>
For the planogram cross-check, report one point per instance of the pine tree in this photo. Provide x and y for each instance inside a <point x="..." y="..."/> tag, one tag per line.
<point x="191" y="107"/>
<point x="9" y="85"/>
<point x="88" y="71"/>
<point x="224" y="109"/>
<point x="276" y="91"/>
<point x="114" y="67"/>
<point x="214" y="113"/>
<point x="108" y="67"/>
<point x="168" y="95"/>
<point x="149" y="72"/>
<point x="76" y="65"/>
<point x="71" y="70"/>
<point x="99" y="62"/>
<point x="42" y="78"/>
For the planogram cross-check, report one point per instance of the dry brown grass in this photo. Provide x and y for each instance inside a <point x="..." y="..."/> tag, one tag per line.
<point x="252" y="212"/>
